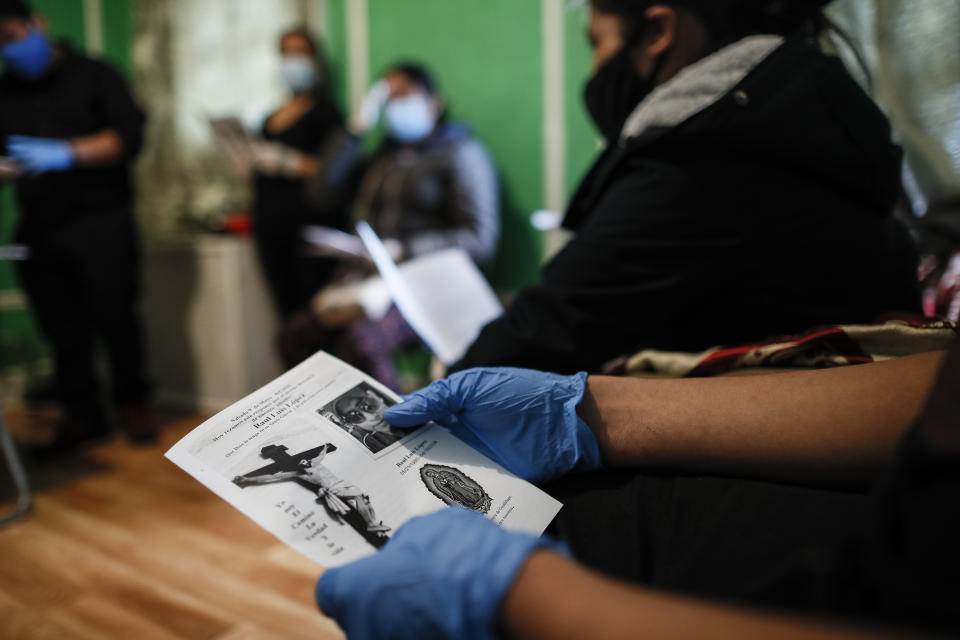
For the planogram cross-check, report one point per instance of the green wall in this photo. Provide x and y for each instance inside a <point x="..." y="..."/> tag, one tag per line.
<point x="335" y="43"/>
<point x="583" y="140"/>
<point x="118" y="33"/>
<point x="65" y="18"/>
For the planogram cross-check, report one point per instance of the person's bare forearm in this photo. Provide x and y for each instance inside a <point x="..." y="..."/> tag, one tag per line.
<point x="307" y="167"/>
<point x="99" y="149"/>
<point x="835" y="426"/>
<point x="553" y="598"/>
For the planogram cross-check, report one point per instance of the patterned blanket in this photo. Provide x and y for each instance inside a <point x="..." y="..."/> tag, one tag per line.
<point x="818" y="348"/>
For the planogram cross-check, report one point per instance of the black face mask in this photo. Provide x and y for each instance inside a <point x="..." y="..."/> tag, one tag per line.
<point x="615" y="90"/>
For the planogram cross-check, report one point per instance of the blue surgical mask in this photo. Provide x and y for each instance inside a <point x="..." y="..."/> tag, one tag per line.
<point x="300" y="72"/>
<point x="410" y="118"/>
<point x="30" y="56"/>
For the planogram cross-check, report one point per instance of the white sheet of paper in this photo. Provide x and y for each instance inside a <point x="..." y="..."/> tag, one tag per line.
<point x="335" y="242"/>
<point x="14" y="252"/>
<point x="371" y="294"/>
<point x="328" y="413"/>
<point x="442" y="295"/>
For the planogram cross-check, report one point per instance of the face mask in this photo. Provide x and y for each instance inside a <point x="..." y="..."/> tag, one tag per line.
<point x="614" y="92"/>
<point x="410" y="118"/>
<point x="30" y="57"/>
<point x="300" y="72"/>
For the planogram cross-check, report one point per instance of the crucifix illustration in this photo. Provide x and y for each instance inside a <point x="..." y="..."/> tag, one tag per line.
<point x="342" y="501"/>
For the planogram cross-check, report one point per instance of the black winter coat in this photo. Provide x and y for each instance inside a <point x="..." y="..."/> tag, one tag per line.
<point x="766" y="213"/>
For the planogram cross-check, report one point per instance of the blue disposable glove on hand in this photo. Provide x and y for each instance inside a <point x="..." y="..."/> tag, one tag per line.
<point x="440" y="576"/>
<point x="40" y="155"/>
<point x="525" y="420"/>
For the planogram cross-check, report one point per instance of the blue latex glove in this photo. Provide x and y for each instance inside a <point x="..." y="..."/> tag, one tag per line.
<point x="40" y="155"/>
<point x="440" y="576"/>
<point x="525" y="420"/>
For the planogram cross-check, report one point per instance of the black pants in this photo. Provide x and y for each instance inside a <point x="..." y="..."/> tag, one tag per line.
<point x="752" y="543"/>
<point x="82" y="281"/>
<point x="293" y="276"/>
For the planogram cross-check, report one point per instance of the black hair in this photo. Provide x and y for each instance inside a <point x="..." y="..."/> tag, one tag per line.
<point x="418" y="74"/>
<point x="729" y="20"/>
<point x="15" y="9"/>
<point x="421" y="76"/>
<point x="301" y="32"/>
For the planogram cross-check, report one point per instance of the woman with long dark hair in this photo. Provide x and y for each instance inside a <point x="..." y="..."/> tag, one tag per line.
<point x="283" y="161"/>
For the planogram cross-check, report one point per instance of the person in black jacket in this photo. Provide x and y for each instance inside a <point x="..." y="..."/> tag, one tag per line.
<point x="746" y="191"/>
<point x="72" y="129"/>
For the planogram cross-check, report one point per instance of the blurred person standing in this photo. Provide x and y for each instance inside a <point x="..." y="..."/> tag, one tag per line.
<point x="72" y="127"/>
<point x="430" y="185"/>
<point x="283" y="161"/>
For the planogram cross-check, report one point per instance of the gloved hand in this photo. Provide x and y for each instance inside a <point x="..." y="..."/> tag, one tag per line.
<point x="273" y="159"/>
<point x="440" y="576"/>
<point x="525" y="420"/>
<point x="367" y="116"/>
<point x="395" y="248"/>
<point x="40" y="155"/>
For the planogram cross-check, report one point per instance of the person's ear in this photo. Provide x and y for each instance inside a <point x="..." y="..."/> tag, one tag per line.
<point x="40" y="22"/>
<point x="661" y="30"/>
<point x="438" y="106"/>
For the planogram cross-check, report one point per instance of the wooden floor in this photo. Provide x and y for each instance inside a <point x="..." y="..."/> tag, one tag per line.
<point x="123" y="544"/>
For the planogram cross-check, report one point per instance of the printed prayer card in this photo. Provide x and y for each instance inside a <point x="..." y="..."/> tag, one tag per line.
<point x="310" y="459"/>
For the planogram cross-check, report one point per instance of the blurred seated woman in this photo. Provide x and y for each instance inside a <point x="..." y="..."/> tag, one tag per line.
<point x="429" y="186"/>
<point x="283" y="161"/>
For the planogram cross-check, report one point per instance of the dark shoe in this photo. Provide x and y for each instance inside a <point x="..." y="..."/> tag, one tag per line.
<point x="138" y="424"/>
<point x="73" y="433"/>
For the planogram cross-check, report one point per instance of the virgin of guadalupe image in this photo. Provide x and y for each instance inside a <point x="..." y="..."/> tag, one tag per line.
<point x="455" y="487"/>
